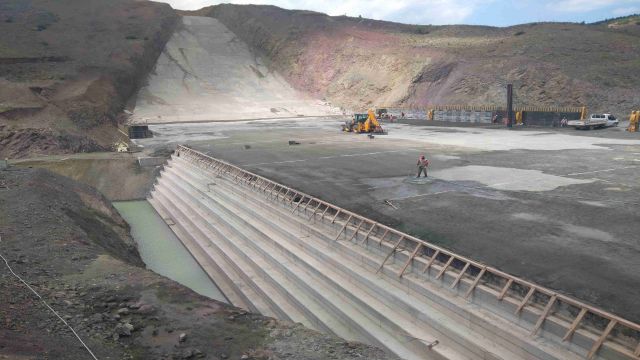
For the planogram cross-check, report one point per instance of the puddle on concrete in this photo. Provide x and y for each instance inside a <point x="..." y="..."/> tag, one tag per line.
<point x="161" y="250"/>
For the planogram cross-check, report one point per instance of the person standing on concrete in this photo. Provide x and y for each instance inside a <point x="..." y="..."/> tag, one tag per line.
<point x="423" y="163"/>
<point x="564" y="122"/>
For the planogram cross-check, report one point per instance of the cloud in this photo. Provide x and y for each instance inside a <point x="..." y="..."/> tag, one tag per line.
<point x="626" y="11"/>
<point x="577" y="6"/>
<point x="405" y="11"/>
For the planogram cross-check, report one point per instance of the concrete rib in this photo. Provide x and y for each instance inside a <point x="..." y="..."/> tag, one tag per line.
<point x="278" y="287"/>
<point x="246" y="280"/>
<point x="212" y="265"/>
<point x="333" y="316"/>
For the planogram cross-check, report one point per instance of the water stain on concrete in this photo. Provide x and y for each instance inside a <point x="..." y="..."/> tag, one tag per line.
<point x="588" y="233"/>
<point x="512" y="179"/>
<point x="571" y="230"/>
<point x="402" y="188"/>
<point x="595" y="203"/>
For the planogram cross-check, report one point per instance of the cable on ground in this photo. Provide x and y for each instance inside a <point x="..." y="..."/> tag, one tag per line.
<point x="47" y="305"/>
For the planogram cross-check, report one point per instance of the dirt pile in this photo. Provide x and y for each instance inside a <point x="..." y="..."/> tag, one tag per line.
<point x="72" y="247"/>
<point x="355" y="62"/>
<point x="68" y="68"/>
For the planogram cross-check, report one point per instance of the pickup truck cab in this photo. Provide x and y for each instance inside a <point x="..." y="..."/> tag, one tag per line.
<point x="592" y="122"/>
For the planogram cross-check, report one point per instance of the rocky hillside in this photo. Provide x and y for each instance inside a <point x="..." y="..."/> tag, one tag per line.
<point x="356" y="63"/>
<point x="72" y="247"/>
<point x="68" y="68"/>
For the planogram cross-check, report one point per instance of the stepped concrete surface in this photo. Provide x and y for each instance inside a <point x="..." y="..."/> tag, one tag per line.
<point x="276" y="251"/>
<point x="206" y="73"/>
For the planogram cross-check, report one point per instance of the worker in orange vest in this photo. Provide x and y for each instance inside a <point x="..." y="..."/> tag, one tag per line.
<point x="423" y="163"/>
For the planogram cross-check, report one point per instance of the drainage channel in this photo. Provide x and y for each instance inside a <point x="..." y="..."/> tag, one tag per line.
<point x="162" y="251"/>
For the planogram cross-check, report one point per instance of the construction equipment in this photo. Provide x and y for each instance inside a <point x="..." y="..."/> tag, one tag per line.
<point x="364" y="123"/>
<point x="121" y="146"/>
<point x="519" y="117"/>
<point x="634" y="121"/>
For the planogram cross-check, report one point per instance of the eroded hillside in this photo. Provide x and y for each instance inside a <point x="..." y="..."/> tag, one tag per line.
<point x="67" y="69"/>
<point x="355" y="62"/>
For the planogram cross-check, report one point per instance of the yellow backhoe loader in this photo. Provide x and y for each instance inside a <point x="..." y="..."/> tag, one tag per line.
<point x="634" y="121"/>
<point x="364" y="123"/>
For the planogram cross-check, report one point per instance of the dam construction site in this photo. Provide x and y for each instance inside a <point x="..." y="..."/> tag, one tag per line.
<point x="244" y="182"/>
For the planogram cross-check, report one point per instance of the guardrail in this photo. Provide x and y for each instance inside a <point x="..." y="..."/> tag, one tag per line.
<point x="622" y="334"/>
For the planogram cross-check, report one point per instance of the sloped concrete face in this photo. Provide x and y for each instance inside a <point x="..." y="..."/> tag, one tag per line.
<point x="206" y="73"/>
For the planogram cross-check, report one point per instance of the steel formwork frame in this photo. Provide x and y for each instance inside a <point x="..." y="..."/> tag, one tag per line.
<point x="429" y="110"/>
<point x="460" y="268"/>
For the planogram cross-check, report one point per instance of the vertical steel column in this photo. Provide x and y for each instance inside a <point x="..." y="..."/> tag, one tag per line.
<point x="510" y="105"/>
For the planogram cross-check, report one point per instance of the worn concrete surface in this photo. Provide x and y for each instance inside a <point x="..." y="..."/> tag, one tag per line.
<point x="206" y="73"/>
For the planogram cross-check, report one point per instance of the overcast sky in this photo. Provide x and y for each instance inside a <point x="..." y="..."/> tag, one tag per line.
<point x="477" y="12"/>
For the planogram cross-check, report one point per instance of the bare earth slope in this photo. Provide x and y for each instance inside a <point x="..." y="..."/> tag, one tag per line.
<point x="358" y="62"/>
<point x="68" y="67"/>
<point x="206" y="73"/>
<point x="71" y="245"/>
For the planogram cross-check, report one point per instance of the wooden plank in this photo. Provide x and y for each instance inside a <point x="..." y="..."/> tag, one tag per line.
<point x="386" y="232"/>
<point x="285" y="194"/>
<point x="280" y="190"/>
<point x="266" y="185"/>
<point x="596" y="345"/>
<point x="355" y="232"/>
<point x="505" y="289"/>
<point x="393" y="250"/>
<point x="293" y="197"/>
<point x="525" y="300"/>
<point x="475" y="283"/>
<point x="334" y="218"/>
<point x="637" y="352"/>
<point x="237" y="174"/>
<point x="460" y="275"/>
<point x="366" y="236"/>
<point x="545" y="313"/>
<point x="413" y="254"/>
<point x="346" y="223"/>
<point x="297" y="204"/>
<point x="307" y="205"/>
<point x="313" y="213"/>
<point x="444" y="268"/>
<point x="276" y="194"/>
<point x="257" y="183"/>
<point x="575" y="324"/>
<point x="324" y="212"/>
<point x="431" y="260"/>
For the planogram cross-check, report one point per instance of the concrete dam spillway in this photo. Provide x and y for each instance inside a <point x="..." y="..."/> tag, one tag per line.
<point x="274" y="250"/>
<point x="206" y="73"/>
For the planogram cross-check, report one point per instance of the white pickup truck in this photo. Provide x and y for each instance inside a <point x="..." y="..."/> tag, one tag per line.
<point x="594" y="121"/>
